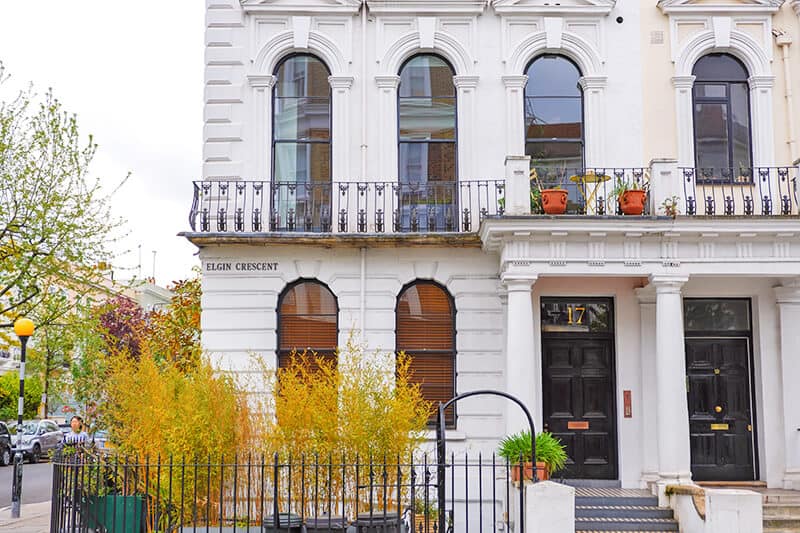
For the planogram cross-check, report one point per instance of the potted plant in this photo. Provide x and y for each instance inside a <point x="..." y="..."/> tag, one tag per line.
<point x="552" y="198"/>
<point x="670" y="207"/>
<point x="630" y="196"/>
<point x="551" y="456"/>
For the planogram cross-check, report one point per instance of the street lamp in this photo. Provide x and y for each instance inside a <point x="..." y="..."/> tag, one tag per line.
<point x="23" y="327"/>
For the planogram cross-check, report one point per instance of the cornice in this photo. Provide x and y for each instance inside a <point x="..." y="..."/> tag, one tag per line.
<point x="348" y="7"/>
<point x="590" y="8"/>
<point x="672" y="7"/>
<point x="413" y="7"/>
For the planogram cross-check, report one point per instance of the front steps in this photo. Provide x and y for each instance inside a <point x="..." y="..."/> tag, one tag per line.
<point x="781" y="512"/>
<point x="599" y="509"/>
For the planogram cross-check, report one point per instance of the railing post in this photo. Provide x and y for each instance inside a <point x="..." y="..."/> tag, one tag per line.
<point x="665" y="183"/>
<point x="518" y="185"/>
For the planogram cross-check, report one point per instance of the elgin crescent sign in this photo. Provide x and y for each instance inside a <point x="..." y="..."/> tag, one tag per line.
<point x="244" y="266"/>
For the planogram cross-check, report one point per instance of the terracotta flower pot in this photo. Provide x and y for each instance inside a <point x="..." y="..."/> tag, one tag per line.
<point x="632" y="202"/>
<point x="554" y="201"/>
<point x="541" y="472"/>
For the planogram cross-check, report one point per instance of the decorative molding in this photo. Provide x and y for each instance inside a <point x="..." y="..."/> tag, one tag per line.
<point x="387" y="82"/>
<point x="465" y="82"/>
<point x="585" y="54"/>
<point x="266" y="81"/>
<point x="796" y="6"/>
<point x="587" y="7"/>
<point x="414" y="7"/>
<point x="670" y="7"/>
<point x="350" y="7"/>
<point x="442" y="43"/>
<point x="515" y="81"/>
<point x="284" y="43"/>
<point x="340" y="82"/>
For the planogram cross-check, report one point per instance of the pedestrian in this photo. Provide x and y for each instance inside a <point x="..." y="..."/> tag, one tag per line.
<point x="77" y="436"/>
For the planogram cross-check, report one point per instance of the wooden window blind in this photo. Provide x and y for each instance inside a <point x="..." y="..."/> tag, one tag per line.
<point x="308" y="320"/>
<point x="426" y="332"/>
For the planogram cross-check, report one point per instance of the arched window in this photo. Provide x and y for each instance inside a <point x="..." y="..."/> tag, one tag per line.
<point x="554" y="113"/>
<point x="308" y="319"/>
<point x="427" y="144"/>
<point x="426" y="332"/>
<point x="301" y="144"/>
<point x="722" y="144"/>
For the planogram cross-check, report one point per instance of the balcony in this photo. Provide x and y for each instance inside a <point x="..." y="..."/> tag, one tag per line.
<point x="235" y="207"/>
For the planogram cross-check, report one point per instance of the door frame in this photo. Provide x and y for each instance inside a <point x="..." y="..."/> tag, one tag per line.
<point x="610" y="336"/>
<point x="738" y="334"/>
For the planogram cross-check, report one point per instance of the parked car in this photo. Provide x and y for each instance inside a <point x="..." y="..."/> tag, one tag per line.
<point x="5" y="445"/>
<point x="37" y="437"/>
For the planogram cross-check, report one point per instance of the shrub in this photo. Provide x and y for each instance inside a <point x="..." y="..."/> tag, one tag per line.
<point x="548" y="449"/>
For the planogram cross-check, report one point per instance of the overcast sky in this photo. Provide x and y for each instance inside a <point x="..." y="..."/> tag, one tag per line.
<point x="133" y="73"/>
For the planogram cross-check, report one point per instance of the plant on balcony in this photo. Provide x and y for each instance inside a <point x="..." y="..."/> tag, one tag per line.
<point x="552" y="197"/>
<point x="551" y="455"/>
<point x="670" y="207"/>
<point x="630" y="195"/>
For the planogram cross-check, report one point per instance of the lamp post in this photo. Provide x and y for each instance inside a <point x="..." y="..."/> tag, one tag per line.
<point x="23" y="327"/>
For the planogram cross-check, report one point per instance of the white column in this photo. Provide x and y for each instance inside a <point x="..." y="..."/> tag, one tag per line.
<point x="649" y="442"/>
<point x="520" y="378"/>
<point x="515" y="114"/>
<point x="387" y="127"/>
<point x="465" y="87"/>
<point x="761" y="120"/>
<point x="788" y="299"/>
<point x="340" y="134"/>
<point x="684" y="117"/>
<point x="672" y="411"/>
<point x="666" y="181"/>
<point x="261" y="140"/>
<point x="518" y="185"/>
<point x="594" y="91"/>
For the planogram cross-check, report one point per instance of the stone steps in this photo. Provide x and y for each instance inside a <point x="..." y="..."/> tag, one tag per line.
<point x="624" y="512"/>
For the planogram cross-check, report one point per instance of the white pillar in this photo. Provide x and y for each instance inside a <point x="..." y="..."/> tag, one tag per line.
<point x="672" y="411"/>
<point x="762" y="120"/>
<point x="649" y="442"/>
<point x="387" y="127"/>
<point x="340" y="135"/>
<point x="520" y="349"/>
<point x="684" y="116"/>
<point x="515" y="114"/>
<point x="666" y="181"/>
<point x="261" y="140"/>
<point x="594" y="90"/>
<point x="518" y="185"/>
<point x="466" y="106"/>
<point x="788" y="299"/>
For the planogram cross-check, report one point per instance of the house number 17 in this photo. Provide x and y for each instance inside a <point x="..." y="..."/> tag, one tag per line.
<point x="575" y="315"/>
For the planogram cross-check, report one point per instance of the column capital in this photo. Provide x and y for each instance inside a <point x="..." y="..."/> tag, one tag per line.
<point x="668" y="284"/>
<point x="518" y="282"/>
<point x="761" y="82"/>
<point x="788" y="292"/>
<point x="683" y="82"/>
<point x="593" y="82"/>
<point x="388" y="82"/>
<point x="266" y="81"/>
<point x="515" y="82"/>
<point x="340" y="82"/>
<point x="465" y="82"/>
<point x="646" y="295"/>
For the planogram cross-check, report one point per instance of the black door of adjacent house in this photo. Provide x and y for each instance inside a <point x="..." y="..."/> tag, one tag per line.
<point x="578" y="384"/>
<point x="719" y="389"/>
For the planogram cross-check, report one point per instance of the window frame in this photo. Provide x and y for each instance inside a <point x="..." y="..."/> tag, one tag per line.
<point x="582" y="140"/>
<point x="453" y="141"/>
<point x="279" y="351"/>
<point x="727" y="100"/>
<point x="453" y="353"/>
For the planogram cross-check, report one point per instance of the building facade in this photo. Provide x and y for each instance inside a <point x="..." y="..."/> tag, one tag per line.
<point x="375" y="167"/>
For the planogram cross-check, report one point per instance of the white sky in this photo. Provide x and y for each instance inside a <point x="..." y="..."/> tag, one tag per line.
<point x="133" y="73"/>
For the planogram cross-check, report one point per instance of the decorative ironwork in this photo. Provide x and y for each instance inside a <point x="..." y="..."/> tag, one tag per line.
<point x="591" y="191"/>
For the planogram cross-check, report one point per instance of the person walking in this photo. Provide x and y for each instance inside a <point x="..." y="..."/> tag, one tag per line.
<point x="77" y="436"/>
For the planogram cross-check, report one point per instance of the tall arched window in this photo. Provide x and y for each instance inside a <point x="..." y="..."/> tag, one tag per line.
<point x="301" y="144"/>
<point x="426" y="332"/>
<point x="554" y="113"/>
<point x="722" y="143"/>
<point x="308" y="319"/>
<point x="427" y="143"/>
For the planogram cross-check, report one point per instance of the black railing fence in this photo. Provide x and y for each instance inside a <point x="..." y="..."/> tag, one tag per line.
<point x="102" y="493"/>
<point x="344" y="207"/>
<point x="591" y="191"/>
<point x="762" y="191"/>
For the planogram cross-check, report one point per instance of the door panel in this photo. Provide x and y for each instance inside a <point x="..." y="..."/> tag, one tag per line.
<point x="578" y="387"/>
<point x="720" y="409"/>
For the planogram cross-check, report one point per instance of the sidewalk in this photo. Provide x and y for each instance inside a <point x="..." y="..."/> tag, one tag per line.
<point x="35" y="519"/>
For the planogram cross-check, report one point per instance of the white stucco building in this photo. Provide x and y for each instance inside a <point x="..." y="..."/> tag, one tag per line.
<point x="368" y="166"/>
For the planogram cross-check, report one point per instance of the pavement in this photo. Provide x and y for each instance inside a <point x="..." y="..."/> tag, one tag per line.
<point x="36" y="483"/>
<point x="34" y="518"/>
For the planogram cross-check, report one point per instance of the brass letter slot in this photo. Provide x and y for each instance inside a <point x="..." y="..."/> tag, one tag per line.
<point x="578" y="425"/>
<point x="719" y="427"/>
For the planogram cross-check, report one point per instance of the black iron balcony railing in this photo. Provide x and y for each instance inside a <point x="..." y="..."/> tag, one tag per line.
<point x="765" y="191"/>
<point x="344" y="207"/>
<point x="591" y="191"/>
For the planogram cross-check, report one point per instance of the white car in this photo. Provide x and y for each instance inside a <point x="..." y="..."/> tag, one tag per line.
<point x="36" y="438"/>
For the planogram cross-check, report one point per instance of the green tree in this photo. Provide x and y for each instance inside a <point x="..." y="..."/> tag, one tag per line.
<point x="55" y="220"/>
<point x="9" y="394"/>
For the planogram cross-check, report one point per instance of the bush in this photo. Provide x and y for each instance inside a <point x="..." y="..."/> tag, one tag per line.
<point x="9" y="395"/>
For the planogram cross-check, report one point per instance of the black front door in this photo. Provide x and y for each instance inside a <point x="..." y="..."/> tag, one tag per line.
<point x="720" y="409"/>
<point x="578" y="385"/>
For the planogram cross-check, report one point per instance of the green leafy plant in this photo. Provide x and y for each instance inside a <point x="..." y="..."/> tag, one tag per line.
<point x="622" y="186"/>
<point x="670" y="206"/>
<point x="549" y="449"/>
